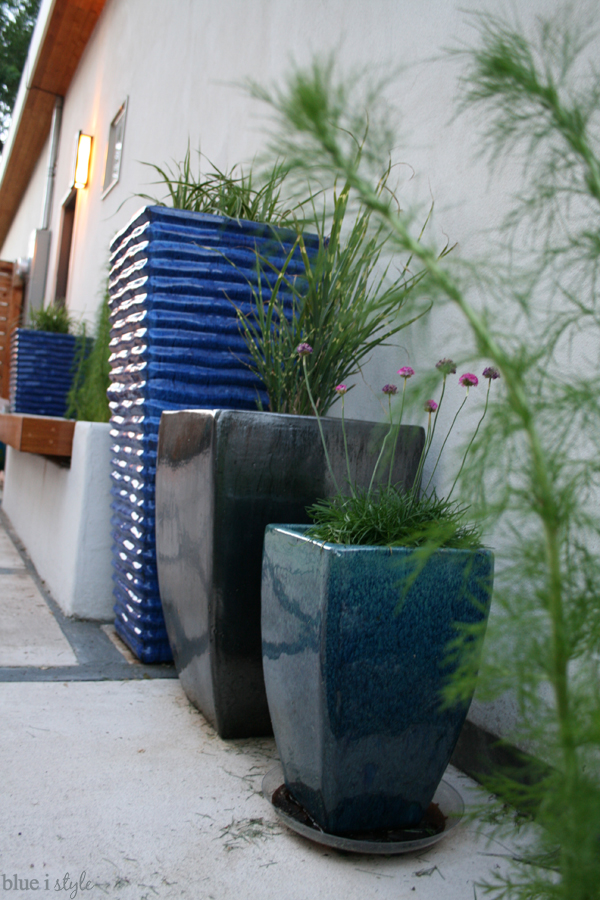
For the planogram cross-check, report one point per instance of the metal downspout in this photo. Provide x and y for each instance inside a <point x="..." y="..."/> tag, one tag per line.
<point x="55" y="137"/>
<point x="38" y="273"/>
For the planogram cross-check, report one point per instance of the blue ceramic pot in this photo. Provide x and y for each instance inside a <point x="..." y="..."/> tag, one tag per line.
<point x="354" y="667"/>
<point x="41" y="375"/>
<point x="177" y="278"/>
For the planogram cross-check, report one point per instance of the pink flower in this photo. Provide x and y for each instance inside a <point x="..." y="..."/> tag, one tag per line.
<point x="430" y="406"/>
<point x="468" y="380"/>
<point x="389" y="389"/>
<point x="340" y="389"/>
<point x="491" y="373"/>
<point x="406" y="372"/>
<point x="304" y="350"/>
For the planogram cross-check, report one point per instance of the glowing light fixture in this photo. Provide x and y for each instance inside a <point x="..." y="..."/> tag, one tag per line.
<point x="82" y="160"/>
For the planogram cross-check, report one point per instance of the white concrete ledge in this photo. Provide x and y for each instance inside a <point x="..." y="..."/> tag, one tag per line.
<point x="62" y="515"/>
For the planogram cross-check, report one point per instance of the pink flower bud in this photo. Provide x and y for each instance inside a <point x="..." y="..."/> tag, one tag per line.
<point x="430" y="406"/>
<point x="468" y="380"/>
<point x="389" y="389"/>
<point x="446" y="366"/>
<point x="491" y="373"/>
<point x="340" y="389"/>
<point x="406" y="372"/>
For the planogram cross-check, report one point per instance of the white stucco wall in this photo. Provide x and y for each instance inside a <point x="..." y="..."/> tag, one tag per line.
<point x="182" y="66"/>
<point x="63" y="518"/>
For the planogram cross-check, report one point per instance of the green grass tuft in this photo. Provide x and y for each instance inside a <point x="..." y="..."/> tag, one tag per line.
<point x="88" y="399"/>
<point x="235" y="193"/>
<point x="389" y="517"/>
<point x="54" y="318"/>
<point x="344" y="305"/>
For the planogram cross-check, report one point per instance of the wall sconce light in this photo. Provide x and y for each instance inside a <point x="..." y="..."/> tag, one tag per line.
<point x="82" y="160"/>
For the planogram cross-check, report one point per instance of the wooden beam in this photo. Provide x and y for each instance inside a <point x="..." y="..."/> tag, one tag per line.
<point x="11" y="301"/>
<point x="68" y="30"/>
<point x="47" y="435"/>
<point x="34" y="128"/>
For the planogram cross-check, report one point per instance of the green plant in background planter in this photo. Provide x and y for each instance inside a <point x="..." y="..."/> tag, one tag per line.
<point x="85" y="370"/>
<point x="223" y="193"/>
<point x="358" y="613"/>
<point x="42" y="368"/>
<point x="536" y="470"/>
<point x="87" y="399"/>
<point x="53" y="318"/>
<point x="344" y="306"/>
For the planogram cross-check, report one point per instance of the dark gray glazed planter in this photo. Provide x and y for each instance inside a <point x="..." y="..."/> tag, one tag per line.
<point x="222" y="477"/>
<point x="354" y="677"/>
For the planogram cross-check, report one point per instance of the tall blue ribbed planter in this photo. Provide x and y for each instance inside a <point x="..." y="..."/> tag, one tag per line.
<point x="175" y="282"/>
<point x="354" y="666"/>
<point x="41" y="371"/>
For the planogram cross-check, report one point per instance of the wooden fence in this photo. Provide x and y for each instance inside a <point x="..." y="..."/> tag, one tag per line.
<point x="11" y="301"/>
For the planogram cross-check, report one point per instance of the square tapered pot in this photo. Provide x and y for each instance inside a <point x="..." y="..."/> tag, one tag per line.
<point x="355" y="658"/>
<point x="222" y="477"/>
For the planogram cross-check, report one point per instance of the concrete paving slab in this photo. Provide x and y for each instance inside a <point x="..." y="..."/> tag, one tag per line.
<point x="127" y="783"/>
<point x="10" y="558"/>
<point x="29" y="633"/>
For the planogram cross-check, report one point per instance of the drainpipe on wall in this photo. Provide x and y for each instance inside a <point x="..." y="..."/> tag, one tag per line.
<point x="40" y="254"/>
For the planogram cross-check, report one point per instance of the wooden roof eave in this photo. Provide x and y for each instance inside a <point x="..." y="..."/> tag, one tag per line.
<point x="61" y="35"/>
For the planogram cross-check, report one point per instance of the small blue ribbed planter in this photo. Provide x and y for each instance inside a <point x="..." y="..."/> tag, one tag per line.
<point x="353" y="684"/>
<point x="41" y="371"/>
<point x="175" y="281"/>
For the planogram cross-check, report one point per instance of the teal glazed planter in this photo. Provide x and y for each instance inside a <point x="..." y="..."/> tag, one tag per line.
<point x="353" y="674"/>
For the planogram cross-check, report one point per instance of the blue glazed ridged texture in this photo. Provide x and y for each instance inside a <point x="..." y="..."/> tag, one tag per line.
<point x="175" y="281"/>
<point x="41" y="371"/>
<point x="354" y="666"/>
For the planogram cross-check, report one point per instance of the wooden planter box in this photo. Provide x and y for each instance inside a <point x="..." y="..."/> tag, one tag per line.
<point x="47" y="435"/>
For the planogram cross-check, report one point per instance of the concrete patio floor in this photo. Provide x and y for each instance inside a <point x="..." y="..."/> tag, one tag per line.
<point x="113" y="785"/>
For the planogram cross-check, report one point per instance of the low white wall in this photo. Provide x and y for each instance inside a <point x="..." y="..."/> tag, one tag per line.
<point x="63" y="518"/>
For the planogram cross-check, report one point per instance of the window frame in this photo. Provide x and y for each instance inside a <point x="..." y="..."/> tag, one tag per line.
<point x="118" y="118"/>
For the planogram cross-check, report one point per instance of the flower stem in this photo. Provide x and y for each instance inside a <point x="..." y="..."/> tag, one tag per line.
<point x="397" y="434"/>
<point x="447" y="436"/>
<point x="415" y="488"/>
<point x="487" y="397"/>
<point x="312" y="403"/>
<point x="346" y="451"/>
<point x="383" y="443"/>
